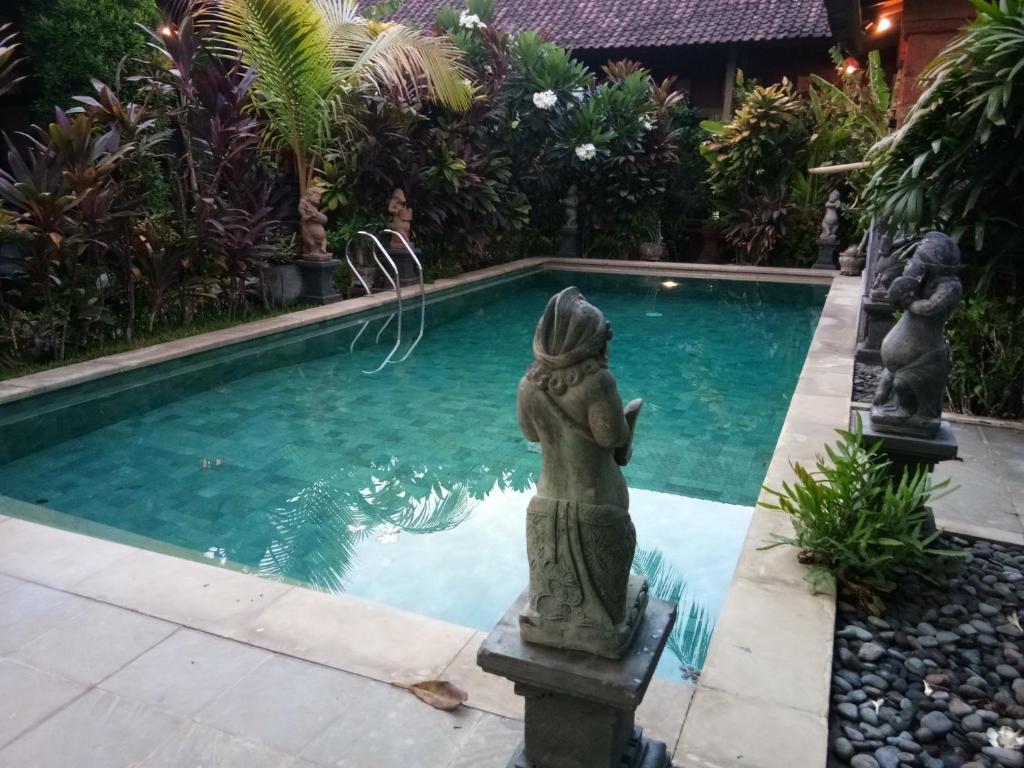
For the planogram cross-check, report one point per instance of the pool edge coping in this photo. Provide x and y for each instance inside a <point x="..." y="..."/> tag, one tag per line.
<point x="65" y="376"/>
<point x="708" y="732"/>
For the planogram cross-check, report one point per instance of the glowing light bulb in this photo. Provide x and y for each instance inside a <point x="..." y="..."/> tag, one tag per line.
<point x="166" y="30"/>
<point x="669" y="284"/>
<point x="884" y="24"/>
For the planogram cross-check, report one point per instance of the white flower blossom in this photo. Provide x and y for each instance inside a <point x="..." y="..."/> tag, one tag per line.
<point x="1005" y="737"/>
<point x="545" y="100"/>
<point x="579" y="94"/>
<point x="586" y="151"/>
<point x="469" y="20"/>
<point x="716" y="215"/>
<point x="647" y="122"/>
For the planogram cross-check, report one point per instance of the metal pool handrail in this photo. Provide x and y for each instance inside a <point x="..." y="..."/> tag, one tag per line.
<point x="423" y="292"/>
<point x="395" y="283"/>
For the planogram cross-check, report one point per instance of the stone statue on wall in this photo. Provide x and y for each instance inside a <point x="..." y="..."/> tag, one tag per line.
<point x="915" y="355"/>
<point x="312" y="226"/>
<point x="401" y="218"/>
<point x="830" y="223"/>
<point x="580" y="539"/>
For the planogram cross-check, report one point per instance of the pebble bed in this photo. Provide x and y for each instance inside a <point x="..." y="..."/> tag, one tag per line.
<point x="865" y="382"/>
<point x="940" y="675"/>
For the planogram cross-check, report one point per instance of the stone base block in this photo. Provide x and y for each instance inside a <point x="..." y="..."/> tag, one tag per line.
<point x="879" y="319"/>
<point x="579" y="707"/>
<point x="408" y="274"/>
<point x="640" y="753"/>
<point x="911" y="451"/>
<point x="318" y="281"/>
<point x="827" y="252"/>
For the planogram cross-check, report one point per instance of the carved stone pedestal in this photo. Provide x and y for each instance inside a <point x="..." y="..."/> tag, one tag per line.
<point x="580" y="707"/>
<point x="407" y="272"/>
<point x="879" y="319"/>
<point x="318" y="281"/>
<point x="909" y="451"/>
<point x="828" y="247"/>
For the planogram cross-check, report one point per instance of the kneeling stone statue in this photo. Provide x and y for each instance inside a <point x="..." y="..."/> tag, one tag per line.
<point x="580" y="539"/>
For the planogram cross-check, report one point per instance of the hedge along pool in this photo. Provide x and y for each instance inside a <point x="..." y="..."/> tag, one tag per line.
<point x="409" y="486"/>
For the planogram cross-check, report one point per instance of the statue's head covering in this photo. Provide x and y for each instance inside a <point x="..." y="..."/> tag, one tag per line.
<point x="938" y="252"/>
<point x="570" y="331"/>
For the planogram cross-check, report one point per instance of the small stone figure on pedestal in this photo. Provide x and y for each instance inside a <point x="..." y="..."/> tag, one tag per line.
<point x="315" y="264"/>
<point x="828" y="241"/>
<point x="313" y="223"/>
<point x="915" y="355"/>
<point x="579" y="536"/>
<point x="401" y="218"/>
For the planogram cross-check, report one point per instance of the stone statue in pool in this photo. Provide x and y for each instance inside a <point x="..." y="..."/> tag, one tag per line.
<point x="914" y="353"/>
<point x="580" y="539"/>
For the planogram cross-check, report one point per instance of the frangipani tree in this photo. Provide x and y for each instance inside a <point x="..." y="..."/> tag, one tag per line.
<point x="310" y="56"/>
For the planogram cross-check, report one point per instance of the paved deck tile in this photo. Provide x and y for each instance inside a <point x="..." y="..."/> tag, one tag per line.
<point x="98" y="730"/>
<point x="93" y="643"/>
<point x="27" y="696"/>
<point x="284" y="703"/>
<point x="198" y="746"/>
<point x="28" y="611"/>
<point x="387" y="727"/>
<point x="185" y="672"/>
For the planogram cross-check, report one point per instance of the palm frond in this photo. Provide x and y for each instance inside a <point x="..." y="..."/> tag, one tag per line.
<point x="394" y="57"/>
<point x="8" y="47"/>
<point x="286" y="43"/>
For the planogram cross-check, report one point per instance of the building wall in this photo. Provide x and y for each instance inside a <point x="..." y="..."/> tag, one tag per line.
<point x="702" y="69"/>
<point x="928" y="25"/>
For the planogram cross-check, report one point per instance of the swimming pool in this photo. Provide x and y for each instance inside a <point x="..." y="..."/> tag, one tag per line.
<point x="409" y="486"/>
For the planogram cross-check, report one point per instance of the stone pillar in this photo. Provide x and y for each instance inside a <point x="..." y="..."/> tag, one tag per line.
<point x="828" y="247"/>
<point x="407" y="272"/>
<point x="910" y="452"/>
<point x="878" y="319"/>
<point x="579" y="707"/>
<point x="318" y="281"/>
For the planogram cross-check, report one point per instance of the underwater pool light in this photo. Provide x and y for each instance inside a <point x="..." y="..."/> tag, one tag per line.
<point x="669" y="284"/>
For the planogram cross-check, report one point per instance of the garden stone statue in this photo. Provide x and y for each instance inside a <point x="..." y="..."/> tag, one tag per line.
<point x="887" y="268"/>
<point x="401" y="218"/>
<point x="312" y="226"/>
<point x="580" y="539"/>
<point x="830" y="223"/>
<point x="915" y="355"/>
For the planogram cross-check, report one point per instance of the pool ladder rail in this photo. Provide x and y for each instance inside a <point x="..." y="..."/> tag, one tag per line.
<point x="393" y="277"/>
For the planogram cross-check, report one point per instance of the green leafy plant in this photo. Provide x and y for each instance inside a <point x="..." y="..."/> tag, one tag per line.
<point x="70" y="42"/>
<point x="986" y="338"/>
<point x="956" y="163"/>
<point x="8" y="49"/>
<point x="857" y="524"/>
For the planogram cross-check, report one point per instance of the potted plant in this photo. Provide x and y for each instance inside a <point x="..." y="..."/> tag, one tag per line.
<point x="282" y="280"/>
<point x="651" y="246"/>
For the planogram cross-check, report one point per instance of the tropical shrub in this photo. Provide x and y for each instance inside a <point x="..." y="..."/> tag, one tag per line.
<point x="71" y="42"/>
<point x="753" y="161"/>
<point x="986" y="338"/>
<point x="8" y="62"/>
<point x="857" y="524"/>
<point x="956" y="163"/>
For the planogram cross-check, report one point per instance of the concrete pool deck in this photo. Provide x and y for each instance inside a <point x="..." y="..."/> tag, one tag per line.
<point x="762" y="700"/>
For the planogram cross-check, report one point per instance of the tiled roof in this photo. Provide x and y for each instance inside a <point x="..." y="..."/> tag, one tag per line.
<point x="642" y="23"/>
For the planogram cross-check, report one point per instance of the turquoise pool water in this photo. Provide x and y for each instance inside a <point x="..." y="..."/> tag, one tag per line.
<point x="409" y="486"/>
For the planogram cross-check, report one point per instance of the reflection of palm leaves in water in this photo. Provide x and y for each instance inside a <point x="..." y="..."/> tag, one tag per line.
<point x="315" y="533"/>
<point x="691" y="635"/>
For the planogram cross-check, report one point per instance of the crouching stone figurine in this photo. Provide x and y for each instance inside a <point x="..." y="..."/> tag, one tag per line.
<point x="914" y="353"/>
<point x="580" y="539"/>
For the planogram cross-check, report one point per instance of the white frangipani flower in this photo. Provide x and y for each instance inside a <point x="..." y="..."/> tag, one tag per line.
<point x="1005" y="737"/>
<point x="647" y="122"/>
<point x="586" y="151"/>
<point x="545" y="99"/>
<point x="579" y="94"/>
<point x="469" y="20"/>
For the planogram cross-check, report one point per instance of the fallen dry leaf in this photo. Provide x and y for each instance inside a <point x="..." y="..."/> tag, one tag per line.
<point x="439" y="694"/>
